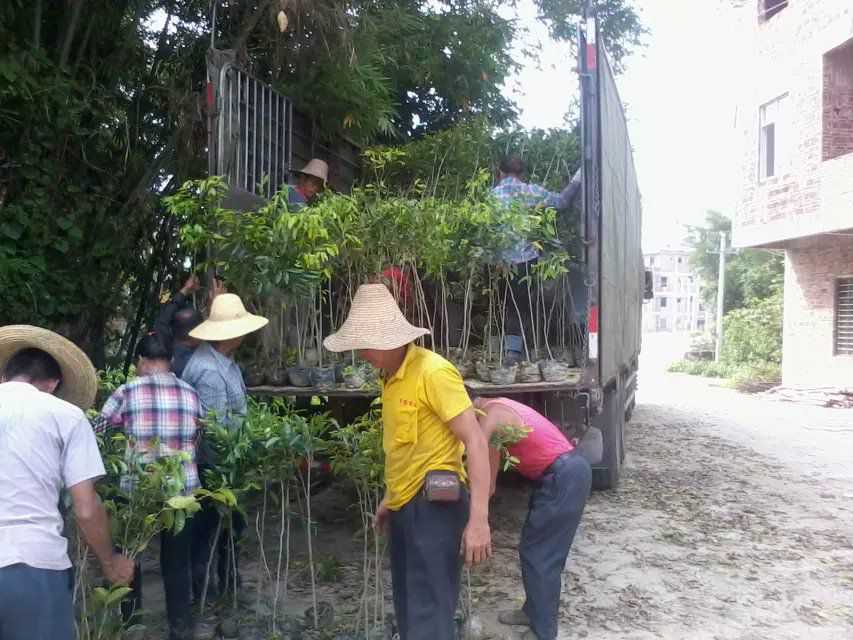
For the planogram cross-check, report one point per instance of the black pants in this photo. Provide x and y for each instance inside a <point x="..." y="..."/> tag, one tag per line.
<point x="175" y="566"/>
<point x="556" y="506"/>
<point x="207" y="521"/>
<point x="35" y="604"/>
<point x="425" y="567"/>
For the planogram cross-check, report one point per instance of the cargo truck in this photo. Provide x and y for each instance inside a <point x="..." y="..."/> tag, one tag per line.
<point x="253" y="136"/>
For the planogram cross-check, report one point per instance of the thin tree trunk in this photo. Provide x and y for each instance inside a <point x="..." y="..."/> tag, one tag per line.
<point x="70" y="31"/>
<point x="37" y="25"/>
<point x="213" y="546"/>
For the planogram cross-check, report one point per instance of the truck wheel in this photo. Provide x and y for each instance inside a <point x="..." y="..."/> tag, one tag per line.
<point x="611" y="422"/>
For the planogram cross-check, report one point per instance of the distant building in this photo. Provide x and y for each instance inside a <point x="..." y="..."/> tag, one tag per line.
<point x="677" y="305"/>
<point x="796" y="192"/>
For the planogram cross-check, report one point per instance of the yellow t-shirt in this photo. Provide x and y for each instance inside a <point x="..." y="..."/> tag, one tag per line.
<point x="417" y="403"/>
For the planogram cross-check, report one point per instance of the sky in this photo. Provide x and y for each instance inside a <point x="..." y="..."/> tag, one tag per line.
<point x="679" y="92"/>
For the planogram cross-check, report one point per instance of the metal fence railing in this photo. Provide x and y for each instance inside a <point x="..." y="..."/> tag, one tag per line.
<point x="254" y="133"/>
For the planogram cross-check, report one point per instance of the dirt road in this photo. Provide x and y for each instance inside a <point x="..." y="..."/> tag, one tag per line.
<point x="734" y="520"/>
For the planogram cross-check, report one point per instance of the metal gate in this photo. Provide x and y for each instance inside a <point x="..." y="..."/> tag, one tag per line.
<point x="256" y="137"/>
<point x="254" y="133"/>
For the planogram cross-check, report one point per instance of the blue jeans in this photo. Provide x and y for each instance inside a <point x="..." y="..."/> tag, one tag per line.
<point x="556" y="506"/>
<point x="426" y="566"/>
<point x="35" y="604"/>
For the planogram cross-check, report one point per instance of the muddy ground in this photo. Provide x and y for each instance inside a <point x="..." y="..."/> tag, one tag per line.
<point x="734" y="520"/>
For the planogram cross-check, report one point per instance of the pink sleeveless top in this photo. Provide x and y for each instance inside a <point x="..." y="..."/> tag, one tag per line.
<point x="544" y="444"/>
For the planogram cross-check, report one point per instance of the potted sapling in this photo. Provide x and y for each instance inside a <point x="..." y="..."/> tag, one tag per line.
<point x="322" y="375"/>
<point x="548" y="271"/>
<point x="300" y="373"/>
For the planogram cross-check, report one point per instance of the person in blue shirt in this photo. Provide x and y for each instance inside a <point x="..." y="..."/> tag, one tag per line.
<point x="310" y="181"/>
<point x="512" y="188"/>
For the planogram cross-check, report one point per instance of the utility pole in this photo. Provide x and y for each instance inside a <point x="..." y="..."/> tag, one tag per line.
<point x="721" y="296"/>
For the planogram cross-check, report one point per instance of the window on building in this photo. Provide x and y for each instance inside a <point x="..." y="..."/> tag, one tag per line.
<point x="838" y="101"/>
<point x="772" y="134"/>
<point x="662" y="303"/>
<point x="651" y="261"/>
<point x="769" y="8"/>
<point x="844" y="317"/>
<point x="664" y="283"/>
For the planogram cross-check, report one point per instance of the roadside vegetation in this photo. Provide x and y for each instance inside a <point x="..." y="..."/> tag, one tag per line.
<point x="751" y="355"/>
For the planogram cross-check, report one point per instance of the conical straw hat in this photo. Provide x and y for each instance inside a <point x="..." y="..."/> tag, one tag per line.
<point x="374" y="322"/>
<point x="79" y="378"/>
<point x="228" y="319"/>
<point x="316" y="168"/>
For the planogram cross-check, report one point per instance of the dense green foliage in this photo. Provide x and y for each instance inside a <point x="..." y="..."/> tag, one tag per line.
<point x="102" y="112"/>
<point x="753" y="334"/>
<point x="752" y="346"/>
<point x="751" y="274"/>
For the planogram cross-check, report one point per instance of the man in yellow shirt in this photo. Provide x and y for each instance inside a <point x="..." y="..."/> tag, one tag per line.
<point x="429" y="422"/>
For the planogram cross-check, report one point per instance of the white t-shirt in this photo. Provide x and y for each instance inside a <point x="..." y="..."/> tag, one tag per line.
<point x="45" y="444"/>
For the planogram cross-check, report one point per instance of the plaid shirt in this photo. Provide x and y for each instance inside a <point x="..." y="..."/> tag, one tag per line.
<point x="160" y="415"/>
<point x="511" y="190"/>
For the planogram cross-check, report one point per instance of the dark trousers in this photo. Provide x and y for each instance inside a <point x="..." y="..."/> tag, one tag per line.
<point x="556" y="506"/>
<point x="207" y="521"/>
<point x="35" y="604"/>
<point x="175" y="566"/>
<point x="426" y="566"/>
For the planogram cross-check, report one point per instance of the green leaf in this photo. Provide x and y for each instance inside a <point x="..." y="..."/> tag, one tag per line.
<point x="188" y="503"/>
<point x="11" y="230"/>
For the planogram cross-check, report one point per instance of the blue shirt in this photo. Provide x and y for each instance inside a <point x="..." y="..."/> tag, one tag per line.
<point x="219" y="383"/>
<point x="511" y="190"/>
<point x="295" y="200"/>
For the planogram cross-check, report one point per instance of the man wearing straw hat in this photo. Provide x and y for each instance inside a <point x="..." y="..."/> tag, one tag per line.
<point x="310" y="181"/>
<point x="46" y="443"/>
<point x="217" y="379"/>
<point x="428" y="423"/>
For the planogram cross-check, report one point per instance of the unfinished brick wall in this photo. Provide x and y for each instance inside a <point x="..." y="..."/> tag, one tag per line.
<point x="811" y="271"/>
<point x="838" y="102"/>
<point x="810" y="194"/>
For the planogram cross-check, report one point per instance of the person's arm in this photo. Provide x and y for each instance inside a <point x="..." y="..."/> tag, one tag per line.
<point x="488" y="423"/>
<point x="112" y="413"/>
<point x="380" y="518"/>
<point x="81" y="467"/>
<point x="476" y="539"/>
<point x="446" y="396"/>
<point x="566" y="197"/>
<point x="91" y="518"/>
<point x="494" y="466"/>
<point x="163" y="323"/>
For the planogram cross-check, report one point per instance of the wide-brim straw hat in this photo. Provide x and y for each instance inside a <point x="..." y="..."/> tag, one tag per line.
<point x="374" y="322"/>
<point x="228" y="319"/>
<point x="79" y="378"/>
<point x="315" y="168"/>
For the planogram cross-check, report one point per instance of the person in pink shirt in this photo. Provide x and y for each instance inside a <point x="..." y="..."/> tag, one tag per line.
<point x="561" y="479"/>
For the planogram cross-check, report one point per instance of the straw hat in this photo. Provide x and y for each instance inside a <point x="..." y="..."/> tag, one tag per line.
<point x="316" y="168"/>
<point x="228" y="319"/>
<point x="79" y="379"/>
<point x="374" y="322"/>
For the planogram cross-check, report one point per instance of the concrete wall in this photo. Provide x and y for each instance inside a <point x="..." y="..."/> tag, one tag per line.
<point x="799" y="52"/>
<point x="811" y="270"/>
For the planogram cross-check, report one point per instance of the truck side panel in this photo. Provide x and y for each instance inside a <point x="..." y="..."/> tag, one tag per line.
<point x="620" y="248"/>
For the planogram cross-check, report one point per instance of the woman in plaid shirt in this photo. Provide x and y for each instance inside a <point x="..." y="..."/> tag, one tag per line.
<point x="160" y="415"/>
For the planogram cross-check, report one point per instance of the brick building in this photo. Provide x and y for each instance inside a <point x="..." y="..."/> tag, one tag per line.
<point x="677" y="305"/>
<point x="796" y="122"/>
